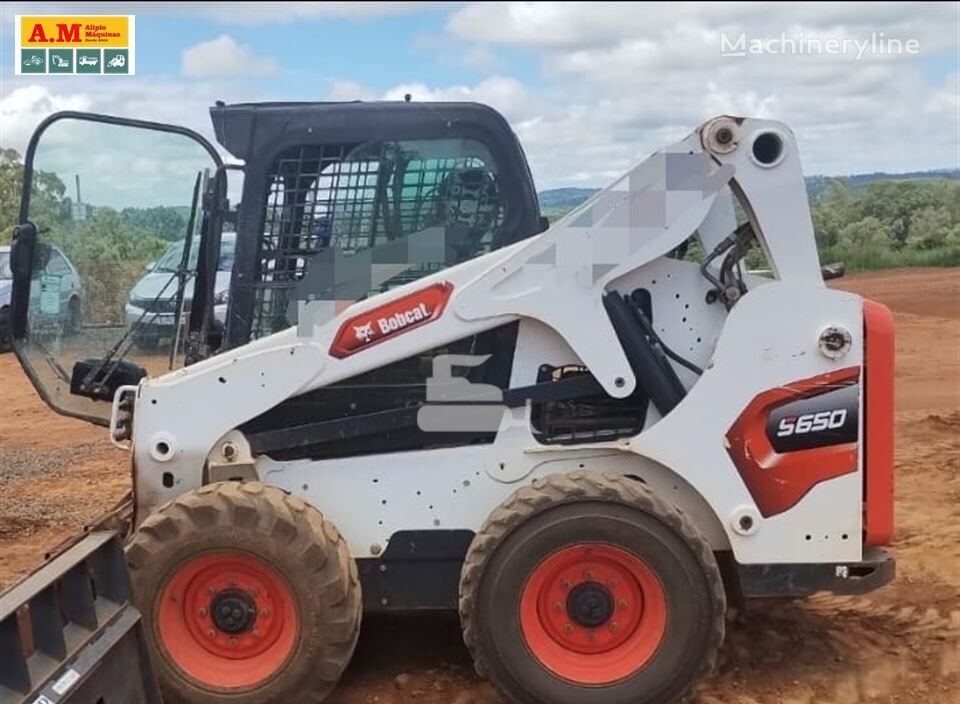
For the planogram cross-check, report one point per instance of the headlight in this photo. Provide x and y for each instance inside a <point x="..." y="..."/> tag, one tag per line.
<point x="221" y="297"/>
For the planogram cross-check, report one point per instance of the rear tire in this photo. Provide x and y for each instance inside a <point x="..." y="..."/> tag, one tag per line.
<point x="587" y="587"/>
<point x="71" y="326"/>
<point x="146" y="342"/>
<point x="6" y="336"/>
<point x="247" y="595"/>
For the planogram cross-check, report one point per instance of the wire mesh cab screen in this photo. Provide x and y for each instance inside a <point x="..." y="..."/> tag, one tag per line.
<point x="350" y="198"/>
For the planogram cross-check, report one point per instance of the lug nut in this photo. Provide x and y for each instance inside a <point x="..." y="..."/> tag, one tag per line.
<point x="233" y="642"/>
<point x="611" y="584"/>
<point x="614" y="626"/>
<point x="210" y="591"/>
<point x="622" y="604"/>
<point x="265" y="613"/>
<point x="568" y="628"/>
<point x="211" y="633"/>
<point x="588" y="574"/>
<point x="232" y="582"/>
<point x="558" y="607"/>
<point x="255" y="633"/>
<point x="565" y="584"/>
<point x="203" y="611"/>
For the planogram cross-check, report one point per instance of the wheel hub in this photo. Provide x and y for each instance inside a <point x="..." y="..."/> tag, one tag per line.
<point x="590" y="605"/>
<point x="227" y="619"/>
<point x="593" y="613"/>
<point x="233" y="611"/>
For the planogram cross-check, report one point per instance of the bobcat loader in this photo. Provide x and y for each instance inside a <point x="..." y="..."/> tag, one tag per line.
<point x="590" y="437"/>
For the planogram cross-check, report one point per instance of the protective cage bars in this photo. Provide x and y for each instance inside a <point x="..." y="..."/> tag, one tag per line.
<point x="356" y="197"/>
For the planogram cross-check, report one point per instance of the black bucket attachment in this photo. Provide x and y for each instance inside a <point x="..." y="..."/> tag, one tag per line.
<point x="69" y="633"/>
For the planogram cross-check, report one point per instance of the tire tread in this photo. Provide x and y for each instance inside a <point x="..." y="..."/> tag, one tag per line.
<point x="558" y="489"/>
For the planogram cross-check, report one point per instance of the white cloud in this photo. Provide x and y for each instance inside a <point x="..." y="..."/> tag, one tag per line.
<point x="286" y="12"/>
<point x="223" y="57"/>
<point x="241" y="13"/>
<point x="23" y="108"/>
<point x="627" y="77"/>
<point x="507" y="95"/>
<point x="615" y="81"/>
<point x="351" y="90"/>
<point x="596" y="24"/>
<point x="25" y="102"/>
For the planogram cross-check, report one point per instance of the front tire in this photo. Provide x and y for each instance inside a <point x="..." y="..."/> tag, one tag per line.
<point x="587" y="587"/>
<point x="247" y="595"/>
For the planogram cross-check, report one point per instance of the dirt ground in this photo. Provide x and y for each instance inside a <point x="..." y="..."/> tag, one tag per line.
<point x="901" y="644"/>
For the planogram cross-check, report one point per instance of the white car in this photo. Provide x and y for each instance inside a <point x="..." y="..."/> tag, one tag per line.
<point x="88" y="61"/>
<point x="55" y="294"/>
<point x="117" y="61"/>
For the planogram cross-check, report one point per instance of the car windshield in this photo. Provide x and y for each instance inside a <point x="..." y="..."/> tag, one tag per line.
<point x="174" y="255"/>
<point x="5" y="272"/>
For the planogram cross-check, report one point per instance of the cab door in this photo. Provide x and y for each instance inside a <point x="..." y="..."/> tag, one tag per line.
<point x="106" y="255"/>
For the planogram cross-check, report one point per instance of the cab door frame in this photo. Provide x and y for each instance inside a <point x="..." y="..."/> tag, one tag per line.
<point x="23" y="244"/>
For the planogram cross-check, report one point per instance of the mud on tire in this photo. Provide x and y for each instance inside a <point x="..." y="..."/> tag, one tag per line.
<point x="587" y="587"/>
<point x="247" y="595"/>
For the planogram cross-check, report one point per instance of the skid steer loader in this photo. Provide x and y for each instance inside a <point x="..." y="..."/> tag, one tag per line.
<point x="589" y="437"/>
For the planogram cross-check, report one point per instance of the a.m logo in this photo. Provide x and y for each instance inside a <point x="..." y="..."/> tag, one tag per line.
<point x="65" y="33"/>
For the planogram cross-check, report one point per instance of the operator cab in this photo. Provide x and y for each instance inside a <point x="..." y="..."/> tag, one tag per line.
<point x="337" y="201"/>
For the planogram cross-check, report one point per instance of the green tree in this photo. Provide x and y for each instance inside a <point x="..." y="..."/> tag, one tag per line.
<point x="832" y="211"/>
<point x="869" y="232"/>
<point x="931" y="228"/>
<point x="47" y="204"/>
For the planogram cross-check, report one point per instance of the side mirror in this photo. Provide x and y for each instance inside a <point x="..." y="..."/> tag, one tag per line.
<point x="148" y="267"/>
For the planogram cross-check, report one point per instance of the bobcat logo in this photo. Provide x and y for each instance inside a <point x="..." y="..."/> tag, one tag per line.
<point x="364" y="332"/>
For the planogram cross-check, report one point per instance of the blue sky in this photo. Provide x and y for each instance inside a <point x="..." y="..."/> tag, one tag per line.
<point x="589" y="87"/>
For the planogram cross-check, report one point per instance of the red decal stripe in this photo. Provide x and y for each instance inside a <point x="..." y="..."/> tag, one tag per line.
<point x="778" y="481"/>
<point x="391" y="319"/>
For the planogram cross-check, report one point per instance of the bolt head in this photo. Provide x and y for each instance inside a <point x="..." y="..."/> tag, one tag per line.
<point x="255" y="633"/>
<point x="565" y="584"/>
<point x="211" y="633"/>
<point x="614" y="626"/>
<point x="568" y="628"/>
<point x="622" y="604"/>
<point x="558" y="607"/>
<point x="203" y="611"/>
<point x="232" y="582"/>
<point x="233" y="642"/>
<point x="588" y="574"/>
<point x="265" y="613"/>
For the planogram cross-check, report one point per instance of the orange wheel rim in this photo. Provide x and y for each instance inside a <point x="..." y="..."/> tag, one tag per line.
<point x="593" y="614"/>
<point x="227" y="620"/>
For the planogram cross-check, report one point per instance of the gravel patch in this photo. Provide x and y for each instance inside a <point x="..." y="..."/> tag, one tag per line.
<point x="18" y="462"/>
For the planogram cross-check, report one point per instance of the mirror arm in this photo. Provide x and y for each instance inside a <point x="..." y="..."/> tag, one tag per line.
<point x="21" y="265"/>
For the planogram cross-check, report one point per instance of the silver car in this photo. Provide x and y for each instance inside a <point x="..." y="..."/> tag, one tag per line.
<point x="152" y="302"/>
